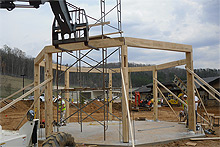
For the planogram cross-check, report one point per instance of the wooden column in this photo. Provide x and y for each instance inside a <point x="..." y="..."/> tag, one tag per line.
<point x="67" y="94"/>
<point x="110" y="93"/>
<point x="37" y="91"/>
<point x="48" y="96"/>
<point x="124" y="66"/>
<point x="190" y="92"/>
<point x="155" y="94"/>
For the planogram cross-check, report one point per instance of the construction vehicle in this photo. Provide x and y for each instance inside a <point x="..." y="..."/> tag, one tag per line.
<point x="67" y="24"/>
<point x="173" y="101"/>
<point x="182" y="86"/>
<point x="142" y="105"/>
<point x="25" y="136"/>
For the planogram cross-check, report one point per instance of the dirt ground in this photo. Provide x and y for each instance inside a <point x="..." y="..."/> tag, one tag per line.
<point x="10" y="118"/>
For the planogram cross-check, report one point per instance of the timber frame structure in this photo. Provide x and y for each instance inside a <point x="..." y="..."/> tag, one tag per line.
<point x="44" y="58"/>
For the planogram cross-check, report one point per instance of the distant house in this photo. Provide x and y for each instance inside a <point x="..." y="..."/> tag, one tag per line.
<point x="207" y="98"/>
<point x="147" y="90"/>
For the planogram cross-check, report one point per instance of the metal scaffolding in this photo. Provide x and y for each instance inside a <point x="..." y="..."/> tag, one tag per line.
<point x="79" y="57"/>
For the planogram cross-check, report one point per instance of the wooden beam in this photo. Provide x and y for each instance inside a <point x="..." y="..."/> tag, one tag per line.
<point x="105" y="35"/>
<point x="98" y="43"/>
<point x="48" y="96"/>
<point x="67" y="94"/>
<point x="204" y="82"/>
<point x="40" y="56"/>
<point x="25" y="115"/>
<point x="73" y="69"/>
<point x="17" y="92"/>
<point x="125" y="91"/>
<point x="93" y="25"/>
<point x="202" y="104"/>
<point x="178" y="98"/>
<point x="37" y="91"/>
<point x="206" y="90"/>
<point x="171" y="93"/>
<point x="140" y="69"/>
<point x="151" y="68"/>
<point x="168" y="103"/>
<point x="207" y="138"/>
<point x="190" y="93"/>
<point x="155" y="94"/>
<point x="160" y="45"/>
<point x="110" y="94"/>
<point x="24" y="95"/>
<point x="171" y="64"/>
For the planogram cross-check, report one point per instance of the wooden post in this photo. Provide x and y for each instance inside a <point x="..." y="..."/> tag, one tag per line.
<point x="190" y="92"/>
<point x="67" y="94"/>
<point x="37" y="91"/>
<point x="48" y="96"/>
<point x="124" y="67"/>
<point x="155" y="94"/>
<point x="110" y="93"/>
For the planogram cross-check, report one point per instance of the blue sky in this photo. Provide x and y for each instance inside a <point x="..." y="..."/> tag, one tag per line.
<point x="193" y="22"/>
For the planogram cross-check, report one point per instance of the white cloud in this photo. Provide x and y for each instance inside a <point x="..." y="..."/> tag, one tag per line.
<point x="187" y="21"/>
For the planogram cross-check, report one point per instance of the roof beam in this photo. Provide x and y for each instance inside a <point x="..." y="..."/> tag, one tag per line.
<point x="171" y="64"/>
<point x="160" y="45"/>
<point x="73" y="69"/>
<point x="98" y="43"/>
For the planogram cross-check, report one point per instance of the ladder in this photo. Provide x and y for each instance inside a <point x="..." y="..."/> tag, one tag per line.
<point x="179" y="83"/>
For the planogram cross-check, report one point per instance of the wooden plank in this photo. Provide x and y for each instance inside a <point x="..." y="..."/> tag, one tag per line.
<point x="206" y="112"/>
<point x="171" y="64"/>
<point x="25" y="115"/>
<point x="204" y="82"/>
<point x="98" y="43"/>
<point x="140" y="69"/>
<point x="191" y="144"/>
<point x="152" y="44"/>
<point x="37" y="91"/>
<point x="206" y="90"/>
<point x="105" y="35"/>
<point x="151" y="68"/>
<point x="207" y="138"/>
<point x="24" y="95"/>
<point x="168" y="103"/>
<point x="40" y="56"/>
<point x="178" y="98"/>
<point x="93" y="25"/>
<point x="48" y="96"/>
<point x="72" y="69"/>
<point x="17" y="92"/>
<point x="155" y="94"/>
<point x="125" y="91"/>
<point x="110" y="94"/>
<point x="190" y="93"/>
<point x="171" y="93"/>
<point x="67" y="94"/>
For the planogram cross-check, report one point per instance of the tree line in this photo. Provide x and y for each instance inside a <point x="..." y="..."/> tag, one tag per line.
<point x="15" y="62"/>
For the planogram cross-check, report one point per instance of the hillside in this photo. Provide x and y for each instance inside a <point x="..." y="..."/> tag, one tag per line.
<point x="9" y="85"/>
<point x="14" y="62"/>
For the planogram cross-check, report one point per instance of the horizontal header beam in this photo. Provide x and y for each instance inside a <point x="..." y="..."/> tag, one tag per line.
<point x="98" y="43"/>
<point x="160" y="45"/>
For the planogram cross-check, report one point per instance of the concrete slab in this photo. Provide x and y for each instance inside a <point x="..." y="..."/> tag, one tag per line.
<point x="146" y="133"/>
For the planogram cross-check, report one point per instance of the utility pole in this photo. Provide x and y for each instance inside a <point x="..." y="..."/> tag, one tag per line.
<point x="23" y="81"/>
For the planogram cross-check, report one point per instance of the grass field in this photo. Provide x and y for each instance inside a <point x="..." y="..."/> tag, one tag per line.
<point x="9" y="85"/>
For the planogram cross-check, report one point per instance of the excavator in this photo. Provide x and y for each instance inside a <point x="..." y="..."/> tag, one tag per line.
<point x="68" y="26"/>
